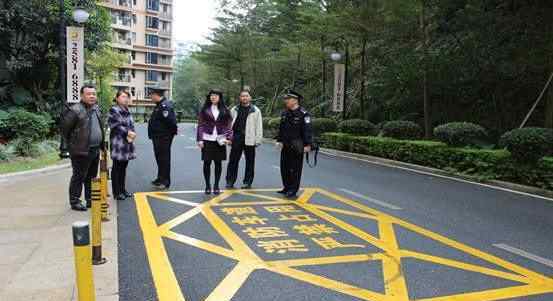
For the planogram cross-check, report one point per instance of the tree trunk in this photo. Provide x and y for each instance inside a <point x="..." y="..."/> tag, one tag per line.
<point x="363" y="77"/>
<point x="426" y="100"/>
<point x="549" y="108"/>
<point x="323" y="73"/>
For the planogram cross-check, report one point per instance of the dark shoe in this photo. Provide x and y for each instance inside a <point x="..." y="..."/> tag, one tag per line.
<point x="216" y="191"/>
<point x="208" y="190"/>
<point x="229" y="186"/>
<point x="88" y="204"/>
<point x="291" y="195"/>
<point x="247" y="186"/>
<point x="156" y="182"/>
<point x="283" y="191"/>
<point x="127" y="194"/>
<point x="78" y="207"/>
<point x="121" y="197"/>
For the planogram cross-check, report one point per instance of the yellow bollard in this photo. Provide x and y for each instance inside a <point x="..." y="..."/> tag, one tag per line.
<point x="104" y="187"/>
<point x="97" y="258"/>
<point x="83" y="265"/>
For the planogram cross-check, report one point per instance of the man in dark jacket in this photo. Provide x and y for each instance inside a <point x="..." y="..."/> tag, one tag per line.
<point x="83" y="130"/>
<point x="162" y="127"/>
<point x="295" y="137"/>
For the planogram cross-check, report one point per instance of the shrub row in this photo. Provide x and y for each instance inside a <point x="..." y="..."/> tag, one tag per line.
<point x="22" y="124"/>
<point x="483" y="164"/>
<point x="27" y="148"/>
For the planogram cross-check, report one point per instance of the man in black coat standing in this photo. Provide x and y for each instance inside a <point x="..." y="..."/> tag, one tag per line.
<point x="162" y="128"/>
<point x="295" y="137"/>
<point x="83" y="130"/>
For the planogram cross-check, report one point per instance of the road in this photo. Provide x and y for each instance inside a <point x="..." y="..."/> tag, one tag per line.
<point x="359" y="231"/>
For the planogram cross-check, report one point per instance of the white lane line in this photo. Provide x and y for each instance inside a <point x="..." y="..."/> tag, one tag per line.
<point x="525" y="254"/>
<point x="192" y="138"/>
<point x="184" y="202"/>
<point x="369" y="199"/>
<point x="276" y="167"/>
<point x="439" y="176"/>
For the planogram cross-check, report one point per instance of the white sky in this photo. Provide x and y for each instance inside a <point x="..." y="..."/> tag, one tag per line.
<point x="193" y="19"/>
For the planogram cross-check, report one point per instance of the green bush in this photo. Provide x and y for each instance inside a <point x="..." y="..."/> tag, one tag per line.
<point x="401" y="129"/>
<point x="273" y="123"/>
<point x="528" y="144"/>
<point x="460" y="133"/>
<point x="6" y="153"/>
<point x="23" y="124"/>
<point x="323" y="125"/>
<point x="482" y="164"/>
<point x="357" y="127"/>
<point x="25" y="147"/>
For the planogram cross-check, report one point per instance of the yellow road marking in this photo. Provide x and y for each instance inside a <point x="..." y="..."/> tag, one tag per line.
<point x="248" y="260"/>
<point x="394" y="281"/>
<point x="232" y="283"/>
<point x="166" y="283"/>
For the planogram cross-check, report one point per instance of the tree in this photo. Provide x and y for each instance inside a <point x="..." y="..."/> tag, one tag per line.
<point x="100" y="67"/>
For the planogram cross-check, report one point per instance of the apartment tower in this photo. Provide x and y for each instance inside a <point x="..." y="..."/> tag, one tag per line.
<point x="142" y="29"/>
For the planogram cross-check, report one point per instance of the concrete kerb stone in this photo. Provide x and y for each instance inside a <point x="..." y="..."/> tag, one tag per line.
<point x="40" y="171"/>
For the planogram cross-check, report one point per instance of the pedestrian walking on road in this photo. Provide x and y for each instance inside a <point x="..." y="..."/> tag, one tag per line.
<point x="83" y="130"/>
<point x="214" y="132"/>
<point x="122" y="136"/>
<point x="247" y="128"/>
<point x="162" y="128"/>
<point x="294" y="138"/>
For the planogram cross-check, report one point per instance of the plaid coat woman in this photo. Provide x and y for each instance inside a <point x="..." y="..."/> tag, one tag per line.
<point x="120" y="123"/>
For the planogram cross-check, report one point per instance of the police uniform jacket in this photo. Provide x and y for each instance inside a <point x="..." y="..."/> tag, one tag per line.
<point x="295" y="128"/>
<point x="163" y="121"/>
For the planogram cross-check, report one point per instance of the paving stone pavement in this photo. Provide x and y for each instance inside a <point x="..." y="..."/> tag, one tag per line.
<point x="36" y="248"/>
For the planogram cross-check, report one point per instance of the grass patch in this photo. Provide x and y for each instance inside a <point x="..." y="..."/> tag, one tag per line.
<point x="24" y="164"/>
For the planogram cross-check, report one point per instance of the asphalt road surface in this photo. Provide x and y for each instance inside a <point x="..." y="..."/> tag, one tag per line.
<point x="358" y="231"/>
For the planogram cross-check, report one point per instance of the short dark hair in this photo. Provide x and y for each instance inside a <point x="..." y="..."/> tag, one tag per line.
<point x="157" y="92"/>
<point x="119" y="93"/>
<point x="245" y="91"/>
<point x="87" y="86"/>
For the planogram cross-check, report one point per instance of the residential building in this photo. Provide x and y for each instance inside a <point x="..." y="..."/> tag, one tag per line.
<point x="142" y="29"/>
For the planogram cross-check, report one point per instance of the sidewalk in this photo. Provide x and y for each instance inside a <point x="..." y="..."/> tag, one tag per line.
<point x="36" y="247"/>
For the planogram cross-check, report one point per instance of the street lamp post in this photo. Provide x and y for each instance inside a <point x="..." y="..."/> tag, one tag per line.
<point x="336" y="57"/>
<point x="80" y="15"/>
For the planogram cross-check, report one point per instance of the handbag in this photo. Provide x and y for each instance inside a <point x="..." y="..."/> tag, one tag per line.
<point x="315" y="150"/>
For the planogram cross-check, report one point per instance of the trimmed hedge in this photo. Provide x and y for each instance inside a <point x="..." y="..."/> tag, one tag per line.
<point x="401" y="129"/>
<point x="323" y="125"/>
<point x="482" y="164"/>
<point x="460" y="133"/>
<point x="528" y="144"/>
<point x="357" y="127"/>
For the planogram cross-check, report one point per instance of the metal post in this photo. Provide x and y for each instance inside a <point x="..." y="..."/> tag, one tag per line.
<point x="104" y="186"/>
<point x="63" y="144"/>
<point x="97" y="258"/>
<point x="346" y="78"/>
<point x="83" y="264"/>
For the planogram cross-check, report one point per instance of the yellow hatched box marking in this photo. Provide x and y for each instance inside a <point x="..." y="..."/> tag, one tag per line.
<point x="395" y="285"/>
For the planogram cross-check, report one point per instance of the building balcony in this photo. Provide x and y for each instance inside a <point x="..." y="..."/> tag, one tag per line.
<point x="122" y="43"/>
<point x="166" y="15"/>
<point x="121" y="24"/>
<point x="125" y="5"/>
<point x="165" y="33"/>
<point x="123" y="78"/>
<point x="166" y="1"/>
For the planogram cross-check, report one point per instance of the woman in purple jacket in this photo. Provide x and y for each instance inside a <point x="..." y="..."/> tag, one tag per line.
<point x="122" y="137"/>
<point x="213" y="134"/>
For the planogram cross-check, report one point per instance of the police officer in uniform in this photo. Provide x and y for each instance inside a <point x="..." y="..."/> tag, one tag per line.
<point x="162" y="127"/>
<point x="294" y="138"/>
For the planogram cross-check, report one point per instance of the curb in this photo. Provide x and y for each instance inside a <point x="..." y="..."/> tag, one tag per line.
<point x="501" y="185"/>
<point x="34" y="172"/>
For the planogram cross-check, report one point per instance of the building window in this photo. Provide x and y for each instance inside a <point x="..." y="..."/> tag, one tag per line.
<point x="152" y="40"/>
<point x="133" y="91"/>
<point x="152" y="22"/>
<point x="134" y="19"/>
<point x="152" y="76"/>
<point x="153" y="5"/>
<point x="133" y="55"/>
<point x="163" y="76"/>
<point x="151" y="58"/>
<point x="134" y="37"/>
<point x="133" y="73"/>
